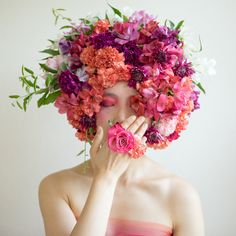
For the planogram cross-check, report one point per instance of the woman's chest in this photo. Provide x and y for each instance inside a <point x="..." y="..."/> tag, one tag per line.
<point x="135" y="202"/>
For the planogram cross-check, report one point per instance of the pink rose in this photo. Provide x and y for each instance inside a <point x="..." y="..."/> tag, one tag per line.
<point x="119" y="139"/>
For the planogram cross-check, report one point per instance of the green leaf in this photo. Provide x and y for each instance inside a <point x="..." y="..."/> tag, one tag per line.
<point x="56" y="19"/>
<point x="200" y="87"/>
<point x="200" y="44"/>
<point x="51" y="52"/>
<point x="22" y="70"/>
<point x="44" y="90"/>
<point x="48" y="69"/>
<point x="24" y="104"/>
<point x="35" y="82"/>
<point x="179" y="25"/>
<point x="14" y="96"/>
<point x="60" y="9"/>
<point x="25" y="81"/>
<point x="70" y="36"/>
<point x="18" y="104"/>
<point x="49" y="80"/>
<point x="63" y="66"/>
<point x="125" y="18"/>
<point x="28" y="70"/>
<point x="116" y="11"/>
<point x="171" y="24"/>
<point x="106" y="16"/>
<point x="51" y="97"/>
<point x="81" y="152"/>
<point x="67" y="18"/>
<point x="67" y="27"/>
<point x="42" y="99"/>
<point x="52" y="41"/>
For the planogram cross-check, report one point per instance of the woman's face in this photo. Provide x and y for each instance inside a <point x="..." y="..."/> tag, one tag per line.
<point x="116" y="105"/>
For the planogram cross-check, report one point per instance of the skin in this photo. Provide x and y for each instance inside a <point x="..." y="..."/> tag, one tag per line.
<point x="114" y="186"/>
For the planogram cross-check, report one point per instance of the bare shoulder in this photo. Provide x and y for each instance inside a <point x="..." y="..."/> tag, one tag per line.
<point x="186" y="209"/>
<point x="54" y="193"/>
<point x="181" y="189"/>
<point x="63" y="181"/>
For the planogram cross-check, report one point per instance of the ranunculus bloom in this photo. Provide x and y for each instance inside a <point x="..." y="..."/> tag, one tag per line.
<point x="119" y="139"/>
<point x="138" y="150"/>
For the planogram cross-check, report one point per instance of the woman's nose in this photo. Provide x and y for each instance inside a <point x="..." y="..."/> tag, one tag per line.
<point x="123" y="114"/>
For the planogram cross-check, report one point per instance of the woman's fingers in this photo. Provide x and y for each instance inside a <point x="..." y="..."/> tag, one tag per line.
<point x="97" y="141"/>
<point x="126" y="123"/>
<point x="135" y="125"/>
<point x="142" y="129"/>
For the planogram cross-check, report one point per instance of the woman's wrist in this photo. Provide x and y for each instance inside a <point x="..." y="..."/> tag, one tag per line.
<point x="106" y="177"/>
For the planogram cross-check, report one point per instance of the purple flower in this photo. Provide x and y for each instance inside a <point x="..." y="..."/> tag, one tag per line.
<point x="166" y="35"/>
<point x="137" y="76"/>
<point x="182" y="68"/>
<point x="153" y="135"/>
<point x="103" y="39"/>
<point x="131" y="53"/>
<point x="194" y="97"/>
<point x="64" y="46"/>
<point x="69" y="82"/>
<point x="88" y="122"/>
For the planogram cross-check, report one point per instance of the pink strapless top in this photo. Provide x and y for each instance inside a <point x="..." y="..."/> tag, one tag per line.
<point x="119" y="227"/>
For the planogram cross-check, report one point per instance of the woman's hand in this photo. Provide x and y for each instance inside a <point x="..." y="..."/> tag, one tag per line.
<point x="104" y="160"/>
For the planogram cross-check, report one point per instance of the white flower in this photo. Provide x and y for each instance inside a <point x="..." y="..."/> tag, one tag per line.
<point x="167" y="126"/>
<point x="81" y="73"/>
<point x="127" y="11"/>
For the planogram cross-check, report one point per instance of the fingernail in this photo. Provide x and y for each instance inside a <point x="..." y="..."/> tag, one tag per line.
<point x="132" y="117"/>
<point x="142" y="118"/>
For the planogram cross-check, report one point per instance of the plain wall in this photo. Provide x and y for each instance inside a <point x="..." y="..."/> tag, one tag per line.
<point x="40" y="141"/>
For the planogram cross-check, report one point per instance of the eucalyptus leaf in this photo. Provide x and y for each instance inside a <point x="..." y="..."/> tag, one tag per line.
<point x="67" y="27"/>
<point x="25" y="81"/>
<point x="51" y="97"/>
<point x="125" y="18"/>
<point x="179" y="25"/>
<point x="48" y="69"/>
<point x="28" y="70"/>
<point x="18" y="104"/>
<point x="14" y="96"/>
<point x="49" y="80"/>
<point x="81" y="152"/>
<point x="42" y="100"/>
<point x="51" y="52"/>
<point x="116" y="11"/>
<point x="200" y="86"/>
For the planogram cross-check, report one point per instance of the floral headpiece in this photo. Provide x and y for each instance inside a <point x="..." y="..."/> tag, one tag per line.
<point x="98" y="52"/>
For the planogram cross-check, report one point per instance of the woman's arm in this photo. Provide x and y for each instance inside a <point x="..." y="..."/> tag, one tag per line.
<point x="187" y="210"/>
<point x="59" y="219"/>
<point x="97" y="207"/>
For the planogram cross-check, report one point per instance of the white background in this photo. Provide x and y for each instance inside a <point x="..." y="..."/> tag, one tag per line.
<point x="40" y="141"/>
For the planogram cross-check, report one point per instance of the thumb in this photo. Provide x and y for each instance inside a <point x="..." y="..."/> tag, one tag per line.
<point x="97" y="140"/>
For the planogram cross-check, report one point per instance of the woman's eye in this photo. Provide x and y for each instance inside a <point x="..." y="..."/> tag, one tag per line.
<point x="108" y="102"/>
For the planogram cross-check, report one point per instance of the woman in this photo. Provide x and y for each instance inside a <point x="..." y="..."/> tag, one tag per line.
<point x="119" y="69"/>
<point x="119" y="195"/>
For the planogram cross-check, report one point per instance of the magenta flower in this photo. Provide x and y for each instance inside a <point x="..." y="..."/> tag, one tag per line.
<point x="126" y="32"/>
<point x="119" y="139"/>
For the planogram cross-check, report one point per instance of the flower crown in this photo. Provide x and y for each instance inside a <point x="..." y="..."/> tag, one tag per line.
<point x="96" y="53"/>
